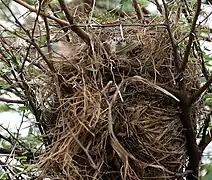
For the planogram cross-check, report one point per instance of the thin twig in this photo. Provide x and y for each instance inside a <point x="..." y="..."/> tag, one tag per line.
<point x="50" y="65"/>
<point x="191" y="36"/>
<point x="58" y="20"/>
<point x="198" y="93"/>
<point x="174" y="43"/>
<point x="138" y="10"/>
<point x="12" y="101"/>
<point x="206" y="138"/>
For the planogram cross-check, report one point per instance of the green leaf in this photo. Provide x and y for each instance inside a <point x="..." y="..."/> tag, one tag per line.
<point x="6" y="145"/>
<point x="3" y="176"/>
<point x="204" y="30"/>
<point x="208" y="175"/>
<point x="208" y="95"/>
<point x="43" y="39"/>
<point x="5" y="108"/>
<point x="3" y="84"/>
<point x="21" y="158"/>
<point x="208" y="102"/>
<point x="23" y="108"/>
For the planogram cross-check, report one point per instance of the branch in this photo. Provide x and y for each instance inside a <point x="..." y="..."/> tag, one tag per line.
<point x="158" y="6"/>
<point x="31" y="41"/>
<point x="12" y="101"/>
<point x="192" y="147"/>
<point x="82" y="34"/>
<point x="173" y="91"/>
<point x="21" y="143"/>
<point x="191" y="36"/>
<point x="198" y="93"/>
<point x="6" y="169"/>
<point x="58" y="20"/>
<point x="186" y="11"/>
<point x="48" y="37"/>
<point x="206" y="138"/>
<point x="64" y="27"/>
<point x="206" y="141"/>
<point x="138" y="10"/>
<point x="174" y="44"/>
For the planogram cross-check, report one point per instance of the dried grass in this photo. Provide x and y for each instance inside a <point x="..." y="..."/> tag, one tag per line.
<point x="111" y="120"/>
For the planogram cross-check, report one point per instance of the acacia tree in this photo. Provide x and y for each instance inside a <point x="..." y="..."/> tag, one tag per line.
<point x="18" y="63"/>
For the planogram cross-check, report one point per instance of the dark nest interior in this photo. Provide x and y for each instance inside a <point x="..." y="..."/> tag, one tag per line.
<point x="108" y="113"/>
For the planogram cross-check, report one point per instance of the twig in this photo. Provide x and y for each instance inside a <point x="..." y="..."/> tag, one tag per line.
<point x="22" y="144"/>
<point x="206" y="141"/>
<point x="64" y="27"/>
<point x="6" y="169"/>
<point x="196" y="42"/>
<point x="49" y="64"/>
<point x="198" y="93"/>
<point x="118" y="24"/>
<point x="12" y="101"/>
<point x="138" y="10"/>
<point x="158" y="6"/>
<point x="48" y="37"/>
<point x="174" y="43"/>
<point x="58" y="20"/>
<point x="82" y="34"/>
<point x="92" y="11"/>
<point x="191" y="36"/>
<point x="206" y="138"/>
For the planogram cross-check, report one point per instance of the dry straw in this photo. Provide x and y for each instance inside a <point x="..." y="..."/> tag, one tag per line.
<point x="113" y="118"/>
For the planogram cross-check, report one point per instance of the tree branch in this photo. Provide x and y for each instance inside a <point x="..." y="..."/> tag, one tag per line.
<point x="191" y="36"/>
<point x="173" y="91"/>
<point x="192" y="147"/>
<point x="12" y="101"/>
<point x="138" y="10"/>
<point x="206" y="138"/>
<point x="205" y="142"/>
<point x="82" y="34"/>
<point x="158" y="6"/>
<point x="198" y="93"/>
<point x="173" y="42"/>
<point x="58" y="20"/>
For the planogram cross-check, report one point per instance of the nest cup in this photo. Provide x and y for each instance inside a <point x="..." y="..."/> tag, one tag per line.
<point x="112" y="118"/>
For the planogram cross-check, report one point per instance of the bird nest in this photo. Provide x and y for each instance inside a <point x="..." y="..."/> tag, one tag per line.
<point x="110" y="115"/>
